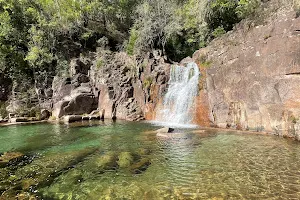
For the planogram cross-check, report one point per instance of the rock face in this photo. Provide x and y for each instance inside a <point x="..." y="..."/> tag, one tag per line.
<point x="127" y="85"/>
<point x="45" y="114"/>
<point x="115" y="84"/>
<point x="75" y="95"/>
<point x="252" y="78"/>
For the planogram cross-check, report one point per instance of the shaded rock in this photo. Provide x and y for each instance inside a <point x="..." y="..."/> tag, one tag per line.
<point x="79" y="78"/>
<point x="5" y="87"/>
<point x="9" y="157"/>
<point x="80" y="104"/>
<point x="85" y="118"/>
<point x="72" y="118"/>
<point x="76" y="104"/>
<point x="94" y="117"/>
<point x="79" y="66"/>
<point x="19" y="119"/>
<point x="45" y="114"/>
<point x="3" y="120"/>
<point x="141" y="166"/>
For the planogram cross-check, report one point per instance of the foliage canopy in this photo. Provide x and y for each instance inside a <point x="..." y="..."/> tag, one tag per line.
<point x="38" y="38"/>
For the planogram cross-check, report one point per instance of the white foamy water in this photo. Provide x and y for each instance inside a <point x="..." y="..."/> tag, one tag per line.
<point x="178" y="104"/>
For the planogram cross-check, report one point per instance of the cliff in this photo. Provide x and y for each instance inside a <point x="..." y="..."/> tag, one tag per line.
<point x="252" y="77"/>
<point x="117" y="85"/>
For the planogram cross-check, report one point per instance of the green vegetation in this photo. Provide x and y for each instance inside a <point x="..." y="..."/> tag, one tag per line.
<point x="99" y="63"/>
<point x="147" y="82"/>
<point x="38" y="38"/>
<point x="3" y="112"/>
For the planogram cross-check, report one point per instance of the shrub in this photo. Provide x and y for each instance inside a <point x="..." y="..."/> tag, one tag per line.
<point x="246" y="8"/>
<point x="148" y="81"/>
<point x="218" y="32"/>
<point x="99" y="63"/>
<point x="3" y="111"/>
<point x="132" y="41"/>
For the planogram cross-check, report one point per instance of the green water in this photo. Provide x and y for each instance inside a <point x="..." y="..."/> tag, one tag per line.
<point x="122" y="161"/>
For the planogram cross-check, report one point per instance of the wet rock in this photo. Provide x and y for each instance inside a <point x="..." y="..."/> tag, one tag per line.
<point x="25" y="196"/>
<point x="85" y="118"/>
<point x="94" y="117"/>
<point x="9" y="157"/>
<point x="72" y="118"/>
<point x="41" y="172"/>
<point x="125" y="159"/>
<point x="143" y="151"/>
<point x="141" y="166"/>
<point x="45" y="114"/>
<point x="106" y="162"/>
<point x="205" y="133"/>
<point x="3" y="120"/>
<point x="165" y="130"/>
<point x="95" y="112"/>
<point x="27" y="183"/>
<point x="18" y="119"/>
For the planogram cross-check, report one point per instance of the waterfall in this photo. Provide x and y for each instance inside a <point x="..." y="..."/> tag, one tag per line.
<point x="178" y="103"/>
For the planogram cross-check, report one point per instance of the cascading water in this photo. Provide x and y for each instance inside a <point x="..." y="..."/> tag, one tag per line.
<point x="178" y="102"/>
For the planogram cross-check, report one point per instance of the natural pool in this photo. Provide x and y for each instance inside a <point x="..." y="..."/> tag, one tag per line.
<point x="121" y="161"/>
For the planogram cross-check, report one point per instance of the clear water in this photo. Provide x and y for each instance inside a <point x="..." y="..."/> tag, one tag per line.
<point x="90" y="161"/>
<point x="178" y="103"/>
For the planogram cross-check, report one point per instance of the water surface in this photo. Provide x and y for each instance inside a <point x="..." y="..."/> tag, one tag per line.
<point x="123" y="160"/>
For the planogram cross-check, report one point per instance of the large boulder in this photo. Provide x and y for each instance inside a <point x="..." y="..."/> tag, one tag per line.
<point x="45" y="114"/>
<point x="76" y="104"/>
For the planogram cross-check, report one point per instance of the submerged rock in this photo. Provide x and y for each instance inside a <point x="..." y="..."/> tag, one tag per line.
<point x="105" y="162"/>
<point x="139" y="167"/>
<point x="39" y="173"/>
<point x="125" y="159"/>
<point x="143" y="151"/>
<point x="9" y="157"/>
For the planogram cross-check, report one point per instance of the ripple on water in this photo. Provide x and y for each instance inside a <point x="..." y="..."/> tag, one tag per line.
<point x="221" y="166"/>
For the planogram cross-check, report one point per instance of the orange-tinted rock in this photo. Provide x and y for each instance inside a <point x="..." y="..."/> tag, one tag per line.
<point x="106" y="102"/>
<point x="252" y="78"/>
<point x="202" y="109"/>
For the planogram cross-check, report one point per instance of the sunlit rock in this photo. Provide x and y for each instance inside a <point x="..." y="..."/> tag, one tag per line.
<point x="165" y="130"/>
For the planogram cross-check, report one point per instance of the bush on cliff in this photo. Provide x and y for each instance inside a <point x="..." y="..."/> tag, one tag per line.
<point x="39" y="38"/>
